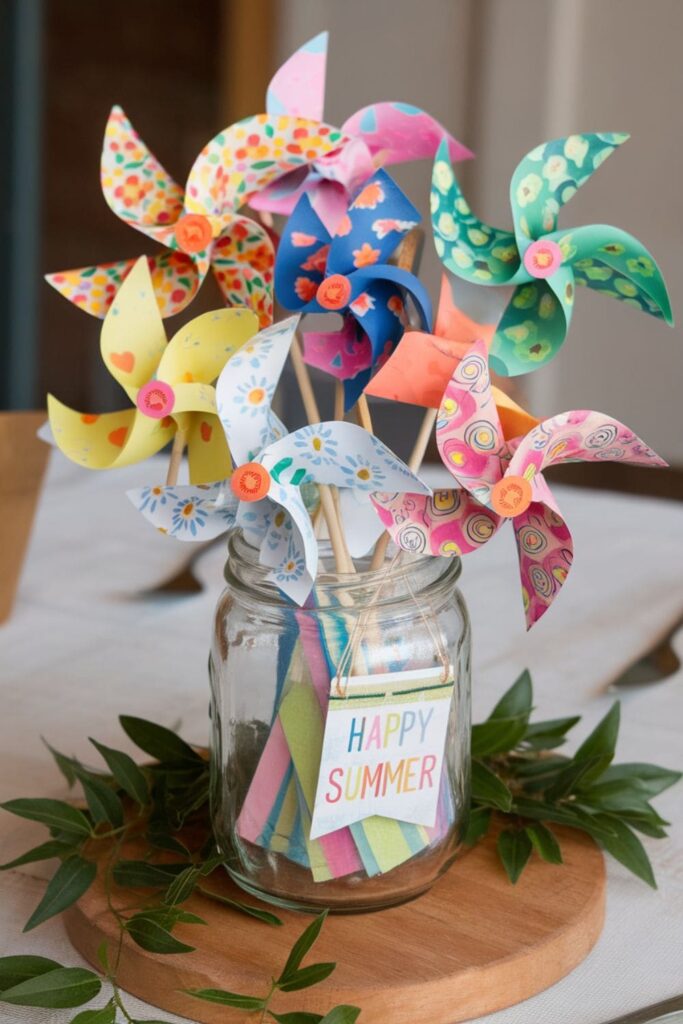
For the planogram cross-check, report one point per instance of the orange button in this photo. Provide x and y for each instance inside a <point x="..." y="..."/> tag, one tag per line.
<point x="193" y="232"/>
<point x="334" y="292"/>
<point x="250" y="482"/>
<point x="511" y="496"/>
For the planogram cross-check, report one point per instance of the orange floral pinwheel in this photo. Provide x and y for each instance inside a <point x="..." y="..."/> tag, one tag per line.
<point x="199" y="227"/>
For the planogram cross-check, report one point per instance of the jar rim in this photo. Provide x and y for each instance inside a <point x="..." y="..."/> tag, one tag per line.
<point x="404" y="576"/>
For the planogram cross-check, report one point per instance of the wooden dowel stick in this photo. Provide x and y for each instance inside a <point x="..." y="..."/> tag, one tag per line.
<point x="363" y="413"/>
<point x="342" y="557"/>
<point x="338" y="400"/>
<point x="176" y="458"/>
<point x="422" y="440"/>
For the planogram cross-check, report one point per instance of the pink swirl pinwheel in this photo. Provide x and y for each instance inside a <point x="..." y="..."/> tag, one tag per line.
<point x="199" y="226"/>
<point x="383" y="133"/>
<point x="501" y="478"/>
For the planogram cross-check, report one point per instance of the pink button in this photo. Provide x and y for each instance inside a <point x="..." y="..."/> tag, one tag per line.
<point x="155" y="399"/>
<point x="542" y="258"/>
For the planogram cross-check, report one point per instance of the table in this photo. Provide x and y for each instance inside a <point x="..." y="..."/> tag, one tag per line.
<point x="87" y="641"/>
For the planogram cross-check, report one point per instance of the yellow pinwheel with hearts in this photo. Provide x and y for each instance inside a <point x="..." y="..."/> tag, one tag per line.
<point x="170" y="385"/>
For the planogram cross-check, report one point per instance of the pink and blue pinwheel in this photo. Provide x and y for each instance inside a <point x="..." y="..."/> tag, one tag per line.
<point x="348" y="273"/>
<point x="263" y="494"/>
<point x="386" y="133"/>
<point x="501" y="478"/>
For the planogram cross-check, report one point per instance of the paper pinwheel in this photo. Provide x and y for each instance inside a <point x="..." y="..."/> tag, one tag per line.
<point x="169" y="385"/>
<point x="263" y="493"/>
<point x="348" y="273"/>
<point x="501" y="478"/>
<point x="389" y="133"/>
<point x="199" y="227"/>
<point x="545" y="264"/>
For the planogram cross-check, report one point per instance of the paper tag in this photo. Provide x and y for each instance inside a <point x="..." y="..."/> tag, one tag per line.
<point x="383" y="749"/>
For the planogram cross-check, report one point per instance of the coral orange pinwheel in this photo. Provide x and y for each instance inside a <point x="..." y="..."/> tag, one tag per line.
<point x="169" y="385"/>
<point x="500" y="477"/>
<point x="544" y="263"/>
<point x="199" y="227"/>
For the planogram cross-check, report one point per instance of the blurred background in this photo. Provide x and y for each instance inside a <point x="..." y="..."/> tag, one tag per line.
<point x="502" y="75"/>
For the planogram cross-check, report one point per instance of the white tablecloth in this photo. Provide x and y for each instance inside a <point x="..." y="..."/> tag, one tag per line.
<point x="85" y="643"/>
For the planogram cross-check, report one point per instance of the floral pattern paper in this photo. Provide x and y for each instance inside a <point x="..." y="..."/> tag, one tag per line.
<point x="492" y="471"/>
<point x="199" y="226"/>
<point x="545" y="264"/>
<point x="387" y="133"/>
<point x="370" y="290"/>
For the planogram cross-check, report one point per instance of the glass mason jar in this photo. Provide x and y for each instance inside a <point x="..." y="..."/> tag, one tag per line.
<point x="266" y="652"/>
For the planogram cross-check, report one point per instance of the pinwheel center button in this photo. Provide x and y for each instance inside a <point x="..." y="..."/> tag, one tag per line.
<point x="250" y="482"/>
<point x="511" y="496"/>
<point x="334" y="292"/>
<point x="542" y="258"/>
<point x="155" y="399"/>
<point x="193" y="232"/>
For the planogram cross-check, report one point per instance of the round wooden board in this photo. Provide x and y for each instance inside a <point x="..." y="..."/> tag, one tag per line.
<point x="472" y="945"/>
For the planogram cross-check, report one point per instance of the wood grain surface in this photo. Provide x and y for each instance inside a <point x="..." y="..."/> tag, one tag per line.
<point x="472" y="945"/>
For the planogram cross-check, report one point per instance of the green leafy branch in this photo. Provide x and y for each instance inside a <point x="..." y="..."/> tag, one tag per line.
<point x="163" y="808"/>
<point x="520" y="782"/>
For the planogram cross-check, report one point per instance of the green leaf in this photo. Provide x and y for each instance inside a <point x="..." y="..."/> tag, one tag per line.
<point x="46" y="851"/>
<point x="53" y="813"/>
<point x="551" y="727"/>
<point x="601" y="743"/>
<point x="618" y="795"/>
<point x="243" y="908"/>
<point x="302" y="946"/>
<point x="300" y="1017"/>
<point x="54" y="990"/>
<point x="497" y="736"/>
<point x="126" y="773"/>
<point x="539" y="766"/>
<point x="66" y="765"/>
<point x="138" y="874"/>
<point x="103" y="803"/>
<point x="342" y="1015"/>
<point x="105" y="1015"/>
<point x="653" y="778"/>
<point x="488" y="789"/>
<point x="514" y="850"/>
<point x="182" y="887"/>
<point x="161" y="743"/>
<point x="568" y="780"/>
<point x="218" y="995"/>
<point x="306" y="977"/>
<point x="544" y="843"/>
<point x="16" y="969"/>
<point x="516" y="701"/>
<point x="574" y="817"/>
<point x="628" y="850"/>
<point x="71" y="879"/>
<point x="164" y="841"/>
<point x="147" y="931"/>
<point x="477" y="826"/>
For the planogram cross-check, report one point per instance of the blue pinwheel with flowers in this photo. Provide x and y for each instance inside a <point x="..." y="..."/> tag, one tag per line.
<point x="348" y="273"/>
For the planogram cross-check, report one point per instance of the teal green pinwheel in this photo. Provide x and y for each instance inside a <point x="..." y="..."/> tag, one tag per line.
<point x="545" y="264"/>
